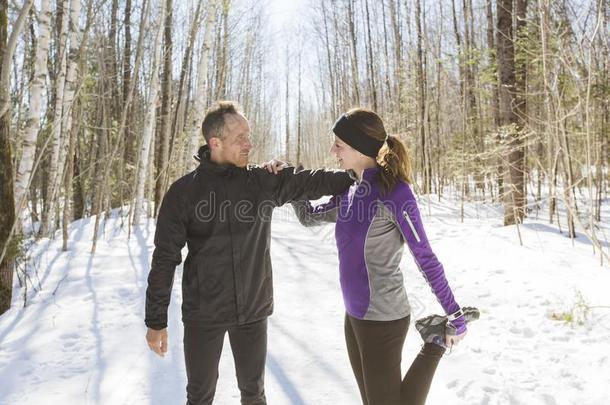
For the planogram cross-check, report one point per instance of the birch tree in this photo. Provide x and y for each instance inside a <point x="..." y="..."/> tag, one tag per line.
<point x="179" y="121"/>
<point x="149" y="123"/>
<point x="6" y="182"/>
<point x="32" y="128"/>
<point x="202" y="85"/>
<point x="7" y="201"/>
<point x="162" y="150"/>
<point x="58" y="116"/>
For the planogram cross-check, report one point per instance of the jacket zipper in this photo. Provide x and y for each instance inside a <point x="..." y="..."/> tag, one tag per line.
<point x="406" y="216"/>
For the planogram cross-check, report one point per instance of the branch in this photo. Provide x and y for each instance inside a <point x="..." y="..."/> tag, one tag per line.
<point x="5" y="76"/>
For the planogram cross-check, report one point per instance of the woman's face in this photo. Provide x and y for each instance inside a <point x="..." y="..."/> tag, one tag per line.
<point x="348" y="157"/>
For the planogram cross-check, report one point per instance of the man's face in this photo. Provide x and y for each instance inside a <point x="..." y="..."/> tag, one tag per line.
<point x="234" y="147"/>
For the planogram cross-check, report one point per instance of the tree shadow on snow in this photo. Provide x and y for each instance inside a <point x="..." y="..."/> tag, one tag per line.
<point x="580" y="237"/>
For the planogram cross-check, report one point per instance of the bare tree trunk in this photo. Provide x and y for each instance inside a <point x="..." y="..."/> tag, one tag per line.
<point x="178" y="124"/>
<point x="67" y="207"/>
<point x="353" y="46"/>
<point x="66" y="93"/>
<point x="9" y="51"/>
<point x="462" y="67"/>
<point x="458" y="40"/>
<point x="125" y="144"/>
<point x="568" y="174"/>
<point x="370" y="57"/>
<point x="520" y="61"/>
<point x="149" y="123"/>
<point x="101" y="151"/>
<point x="329" y="61"/>
<point x="595" y="203"/>
<point x="126" y="51"/>
<point x="513" y="183"/>
<point x="7" y="200"/>
<point x="492" y="50"/>
<point x="601" y="147"/>
<point x="558" y="145"/>
<point x="495" y="103"/>
<point x="21" y="81"/>
<point x="71" y="81"/>
<point x="58" y="117"/>
<point x="470" y="102"/>
<point x="521" y="56"/>
<point x="223" y="52"/>
<point x="149" y="189"/>
<point x="287" y="117"/>
<point x="398" y="61"/>
<point x="202" y="84"/>
<point x="78" y="197"/>
<point x="299" y="112"/>
<point x="7" y="208"/>
<point x="544" y="9"/>
<point x="438" y="129"/>
<point x="26" y="163"/>
<point x="421" y="104"/>
<point x="113" y="66"/>
<point x="166" y="109"/>
<point x="344" y="83"/>
<point x="388" y="98"/>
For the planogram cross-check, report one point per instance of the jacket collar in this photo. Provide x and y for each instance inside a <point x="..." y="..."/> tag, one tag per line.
<point x="371" y="173"/>
<point x="367" y="175"/>
<point x="205" y="163"/>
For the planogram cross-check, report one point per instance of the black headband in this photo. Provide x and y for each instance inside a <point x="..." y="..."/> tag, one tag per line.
<point x="356" y="138"/>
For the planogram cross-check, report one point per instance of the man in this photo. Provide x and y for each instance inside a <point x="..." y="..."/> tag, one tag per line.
<point x="222" y="211"/>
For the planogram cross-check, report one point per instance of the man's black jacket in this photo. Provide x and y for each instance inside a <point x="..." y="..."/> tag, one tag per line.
<point x="223" y="214"/>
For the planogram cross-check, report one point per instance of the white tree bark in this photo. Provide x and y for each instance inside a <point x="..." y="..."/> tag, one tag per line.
<point x="202" y="79"/>
<point x="26" y="164"/>
<point x="55" y="141"/>
<point x="62" y="120"/>
<point x="71" y="80"/>
<point x="149" y="123"/>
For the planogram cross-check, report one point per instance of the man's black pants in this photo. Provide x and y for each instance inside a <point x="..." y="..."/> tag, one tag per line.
<point x="202" y="349"/>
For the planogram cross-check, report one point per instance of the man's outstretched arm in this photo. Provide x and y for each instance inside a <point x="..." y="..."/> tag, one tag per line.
<point x="287" y="185"/>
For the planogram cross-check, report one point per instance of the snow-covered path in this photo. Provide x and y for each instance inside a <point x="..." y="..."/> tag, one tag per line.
<point x="80" y="340"/>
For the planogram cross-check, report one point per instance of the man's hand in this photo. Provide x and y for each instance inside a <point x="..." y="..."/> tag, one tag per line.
<point x="275" y="166"/>
<point x="157" y="341"/>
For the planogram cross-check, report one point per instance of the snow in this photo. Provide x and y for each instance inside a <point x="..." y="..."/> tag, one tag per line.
<point x="80" y="340"/>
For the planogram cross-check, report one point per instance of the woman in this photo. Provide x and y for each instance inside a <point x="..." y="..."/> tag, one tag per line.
<point x="374" y="218"/>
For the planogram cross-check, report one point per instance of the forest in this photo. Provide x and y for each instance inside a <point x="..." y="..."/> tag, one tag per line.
<point x="101" y="101"/>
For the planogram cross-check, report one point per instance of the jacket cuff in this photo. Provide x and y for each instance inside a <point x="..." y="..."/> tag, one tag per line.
<point x="459" y="325"/>
<point x="156" y="325"/>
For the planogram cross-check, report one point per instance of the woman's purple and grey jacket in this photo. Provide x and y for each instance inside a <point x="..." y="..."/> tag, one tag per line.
<point x="370" y="232"/>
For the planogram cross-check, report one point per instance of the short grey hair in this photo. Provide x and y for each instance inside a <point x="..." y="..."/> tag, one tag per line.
<point x="214" y="120"/>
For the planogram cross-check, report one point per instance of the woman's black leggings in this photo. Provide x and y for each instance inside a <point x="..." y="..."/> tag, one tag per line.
<point x="375" y="352"/>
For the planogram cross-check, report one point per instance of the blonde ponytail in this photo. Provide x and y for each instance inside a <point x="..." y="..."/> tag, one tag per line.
<point x="395" y="162"/>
